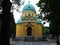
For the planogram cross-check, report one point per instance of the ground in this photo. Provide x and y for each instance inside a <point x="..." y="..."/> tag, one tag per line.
<point x="33" y="43"/>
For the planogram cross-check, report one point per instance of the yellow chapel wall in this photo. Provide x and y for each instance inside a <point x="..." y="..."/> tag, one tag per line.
<point x="37" y="29"/>
<point x="39" y="33"/>
<point x="21" y="29"/>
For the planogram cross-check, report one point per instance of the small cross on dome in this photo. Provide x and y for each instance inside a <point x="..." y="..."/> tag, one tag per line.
<point x="29" y="2"/>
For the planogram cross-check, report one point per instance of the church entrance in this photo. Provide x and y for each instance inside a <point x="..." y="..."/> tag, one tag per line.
<point x="29" y="31"/>
<point x="29" y="36"/>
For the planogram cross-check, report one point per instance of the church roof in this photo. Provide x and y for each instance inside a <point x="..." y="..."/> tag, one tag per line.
<point x="38" y="21"/>
<point x="29" y="7"/>
<point x="19" y="21"/>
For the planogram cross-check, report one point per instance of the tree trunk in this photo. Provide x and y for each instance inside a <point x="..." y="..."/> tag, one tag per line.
<point x="6" y="20"/>
<point x="57" y="40"/>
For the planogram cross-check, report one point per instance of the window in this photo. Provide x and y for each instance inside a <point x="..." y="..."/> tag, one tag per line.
<point x="25" y="14"/>
<point x="32" y="14"/>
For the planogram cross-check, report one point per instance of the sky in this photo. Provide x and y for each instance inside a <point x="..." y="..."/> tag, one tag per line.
<point x="17" y="15"/>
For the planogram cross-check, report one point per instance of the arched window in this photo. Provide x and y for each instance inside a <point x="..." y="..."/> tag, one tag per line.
<point x="25" y="14"/>
<point x="32" y="14"/>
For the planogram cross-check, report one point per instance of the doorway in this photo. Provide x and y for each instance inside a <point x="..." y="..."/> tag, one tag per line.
<point x="29" y="31"/>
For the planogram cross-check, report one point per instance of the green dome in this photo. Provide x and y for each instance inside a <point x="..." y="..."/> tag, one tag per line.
<point x="29" y="7"/>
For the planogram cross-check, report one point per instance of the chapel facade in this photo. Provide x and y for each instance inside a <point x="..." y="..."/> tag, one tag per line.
<point x="29" y="25"/>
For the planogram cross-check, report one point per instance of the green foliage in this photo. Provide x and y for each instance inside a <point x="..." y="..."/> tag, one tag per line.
<point x="18" y="2"/>
<point x="46" y="31"/>
<point x="12" y="26"/>
<point x="52" y="6"/>
<point x="0" y="27"/>
<point x="0" y="5"/>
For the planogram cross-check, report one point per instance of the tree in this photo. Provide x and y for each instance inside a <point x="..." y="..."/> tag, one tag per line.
<point x="52" y="8"/>
<point x="16" y="2"/>
<point x="7" y="19"/>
